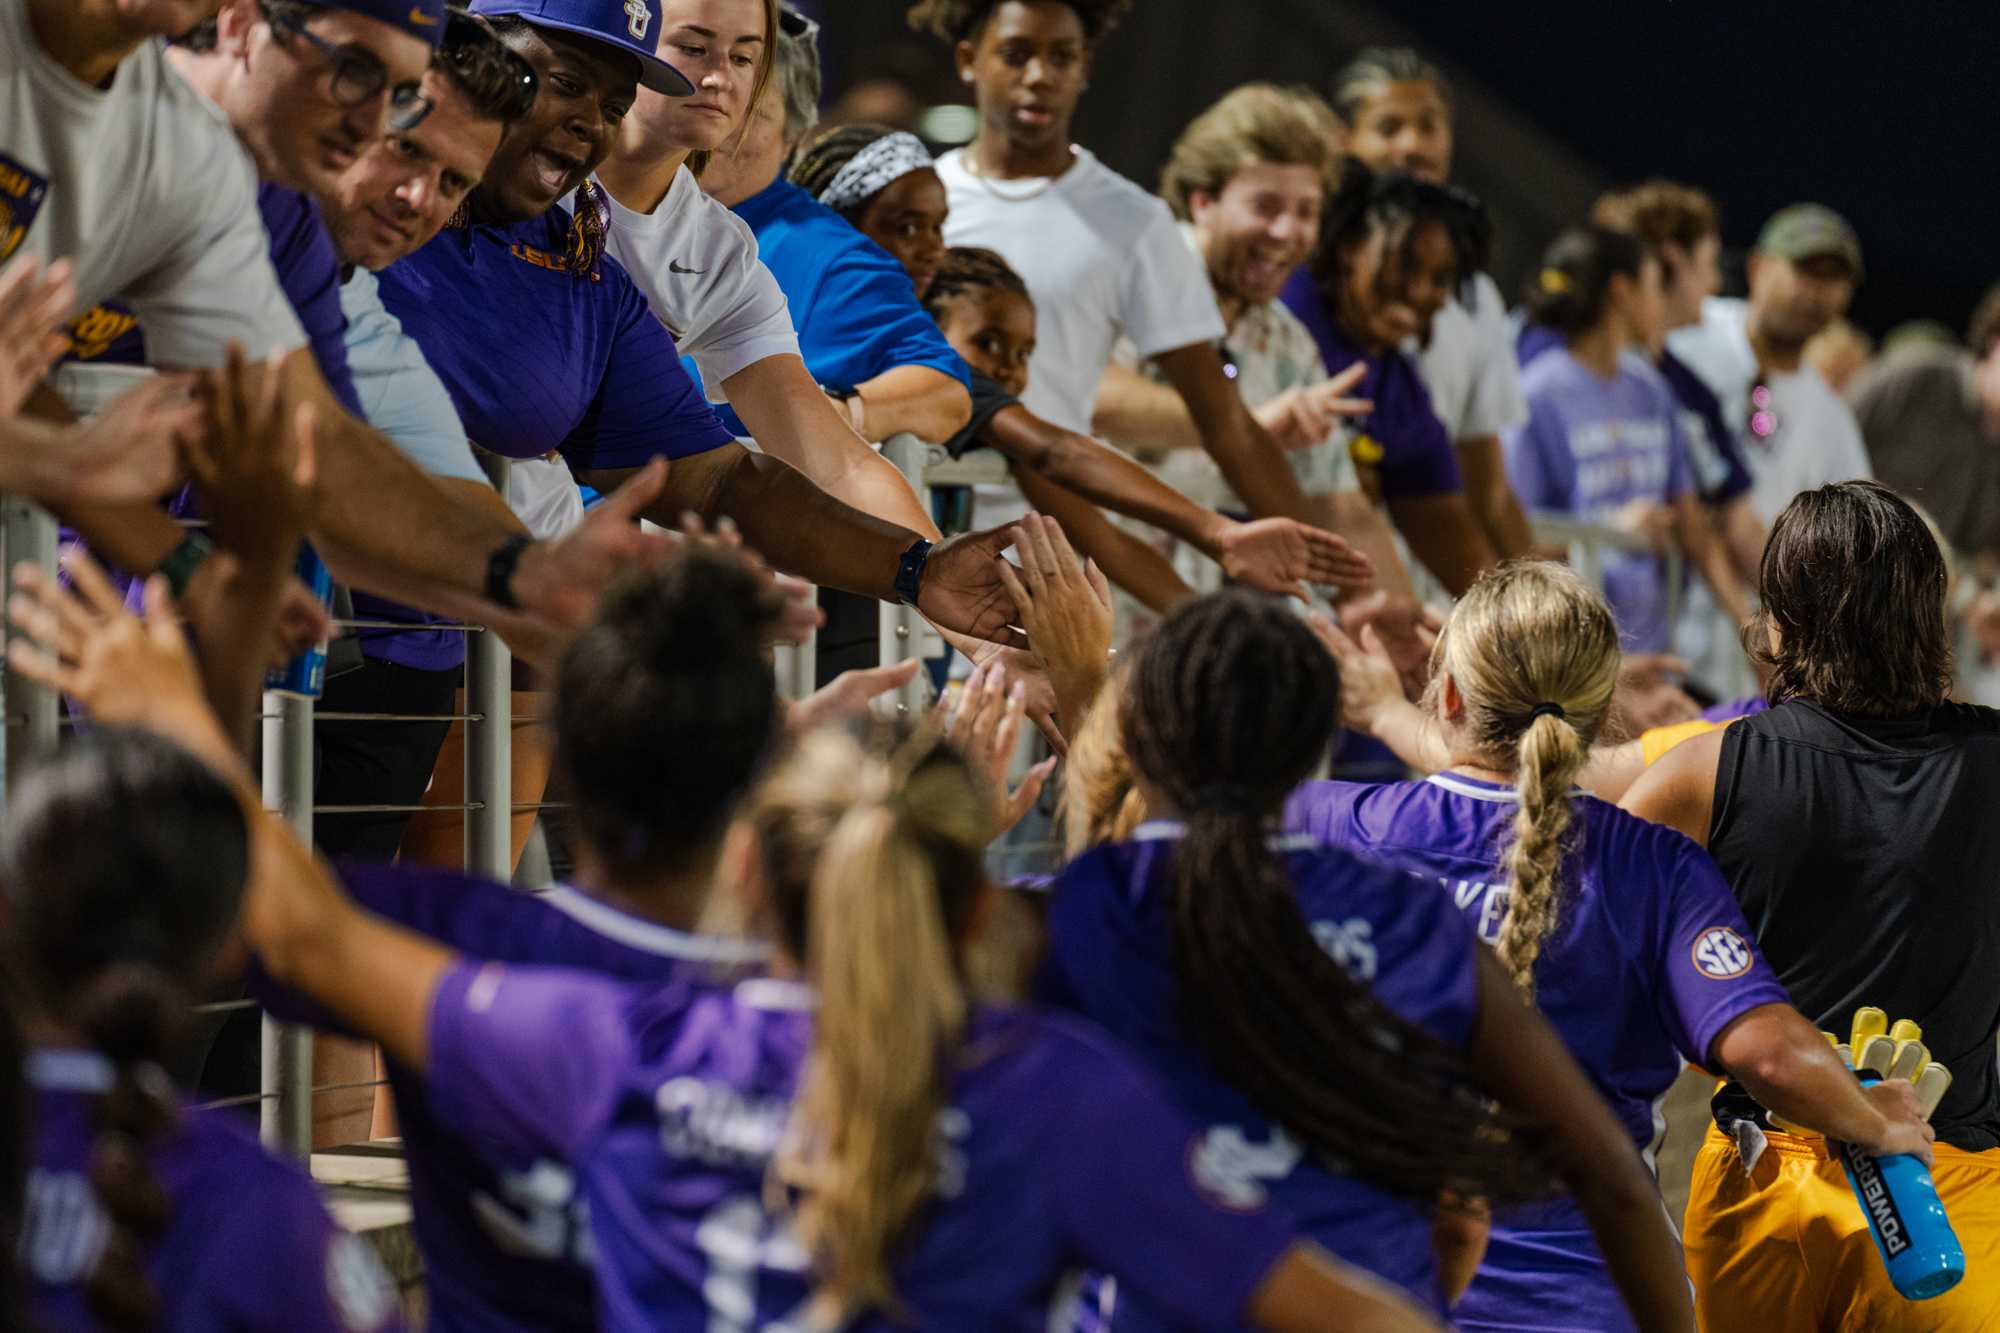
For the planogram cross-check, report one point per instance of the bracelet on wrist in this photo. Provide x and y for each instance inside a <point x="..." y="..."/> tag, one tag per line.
<point x="500" y="567"/>
<point x="184" y="560"/>
<point x="910" y="571"/>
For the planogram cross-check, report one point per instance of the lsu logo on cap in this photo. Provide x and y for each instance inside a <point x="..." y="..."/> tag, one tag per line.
<point x="637" y="18"/>
<point x="1721" y="953"/>
<point x="21" y="195"/>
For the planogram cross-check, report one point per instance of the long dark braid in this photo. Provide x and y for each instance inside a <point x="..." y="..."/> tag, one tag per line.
<point x="968" y="269"/>
<point x="1232" y="705"/>
<point x="820" y="159"/>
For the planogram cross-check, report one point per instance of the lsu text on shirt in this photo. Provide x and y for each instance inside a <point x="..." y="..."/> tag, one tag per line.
<point x="143" y="187"/>
<point x="248" y="1247"/>
<point x="1054" y="1151"/>
<point x="505" y="1238"/>
<point x="1650" y="961"/>
<point x="1110" y="959"/>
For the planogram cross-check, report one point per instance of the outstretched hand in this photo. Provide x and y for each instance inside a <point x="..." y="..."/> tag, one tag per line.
<point x="848" y="695"/>
<point x="256" y="464"/>
<point x="558" y="584"/>
<point x="1370" y="684"/>
<point x="1303" y="417"/>
<point x="962" y="588"/>
<point x="796" y="601"/>
<point x="983" y="723"/>
<point x="34" y="302"/>
<point x="1277" y="554"/>
<point x="1066" y="609"/>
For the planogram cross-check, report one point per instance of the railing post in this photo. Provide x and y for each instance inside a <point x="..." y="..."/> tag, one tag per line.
<point x="27" y="534"/>
<point x="905" y="634"/>
<point x="489" y="739"/>
<point x="287" y="1066"/>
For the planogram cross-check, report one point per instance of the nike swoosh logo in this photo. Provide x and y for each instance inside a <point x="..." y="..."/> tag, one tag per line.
<point x="421" y="19"/>
<point x="675" y="266"/>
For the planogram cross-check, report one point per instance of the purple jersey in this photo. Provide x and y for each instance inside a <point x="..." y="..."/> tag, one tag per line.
<point x="249" y="1248"/>
<point x="1731" y="709"/>
<point x="1418" y="458"/>
<point x="505" y="1246"/>
<point x="1109" y="958"/>
<point x="1055" y="1153"/>
<point x="1589" y="447"/>
<point x="1650" y="962"/>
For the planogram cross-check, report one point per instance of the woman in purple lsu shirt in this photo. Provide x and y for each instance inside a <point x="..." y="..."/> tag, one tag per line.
<point x="1331" y="1020"/>
<point x="124" y="861"/>
<point x="1623" y="932"/>
<point x="879" y="1145"/>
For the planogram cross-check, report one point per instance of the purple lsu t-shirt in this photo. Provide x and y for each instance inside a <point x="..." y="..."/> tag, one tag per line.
<point x="1592" y="445"/>
<point x="537" y="360"/>
<point x="1110" y="959"/>
<point x="248" y="1247"/>
<point x="1650" y="961"/>
<point x="1055" y="1152"/>
<point x="504" y="1241"/>
<point x="1418" y="458"/>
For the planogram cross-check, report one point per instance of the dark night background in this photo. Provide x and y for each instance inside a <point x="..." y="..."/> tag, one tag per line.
<point x="1883" y="113"/>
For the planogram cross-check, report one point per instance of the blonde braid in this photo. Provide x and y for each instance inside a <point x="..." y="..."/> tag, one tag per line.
<point x="1551" y="755"/>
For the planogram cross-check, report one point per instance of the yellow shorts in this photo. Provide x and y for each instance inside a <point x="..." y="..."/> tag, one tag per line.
<point x="1786" y="1251"/>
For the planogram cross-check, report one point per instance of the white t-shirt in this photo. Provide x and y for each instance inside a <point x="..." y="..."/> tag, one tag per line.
<point x="145" y="189"/>
<point x="400" y="394"/>
<point x="697" y="264"/>
<point x="1470" y="368"/>
<point x="1101" y="258"/>
<point x="1817" y="441"/>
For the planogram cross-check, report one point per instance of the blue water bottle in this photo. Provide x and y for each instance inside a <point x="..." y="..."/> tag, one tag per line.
<point x="1906" y="1217"/>
<point x="305" y="675"/>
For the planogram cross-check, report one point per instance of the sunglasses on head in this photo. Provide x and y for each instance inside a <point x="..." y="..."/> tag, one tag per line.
<point x="505" y="83"/>
<point x="796" y="25"/>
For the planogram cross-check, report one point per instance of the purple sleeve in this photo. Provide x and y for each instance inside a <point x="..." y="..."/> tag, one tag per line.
<point x="1539" y="463"/>
<point x="1128" y="1195"/>
<point x="1712" y="973"/>
<point x="526" y="1058"/>
<point x="646" y="406"/>
<point x="308" y="270"/>
<point x="1418" y="457"/>
<point x="285" y="1263"/>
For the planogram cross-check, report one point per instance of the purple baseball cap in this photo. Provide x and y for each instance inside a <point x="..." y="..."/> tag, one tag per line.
<point x="423" y="19"/>
<point x="633" y="26"/>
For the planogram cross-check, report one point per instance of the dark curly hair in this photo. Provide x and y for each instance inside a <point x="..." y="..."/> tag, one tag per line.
<point x="1363" y="201"/>
<point x="957" y="21"/>
<point x="968" y="269"/>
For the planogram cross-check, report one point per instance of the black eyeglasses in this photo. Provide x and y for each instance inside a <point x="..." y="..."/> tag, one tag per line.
<point x="1763" y="423"/>
<point x="501" y="84"/>
<point x="359" y="76"/>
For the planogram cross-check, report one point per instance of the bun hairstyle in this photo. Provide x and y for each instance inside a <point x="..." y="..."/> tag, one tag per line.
<point x="1233" y="703"/>
<point x="1571" y="291"/>
<point x="873" y="863"/>
<point x="1364" y="202"/>
<point x="1534" y="653"/>
<point x="124" y="861"/>
<point x="666" y="709"/>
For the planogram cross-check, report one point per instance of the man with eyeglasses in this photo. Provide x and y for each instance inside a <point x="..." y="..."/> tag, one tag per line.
<point x="1796" y="432"/>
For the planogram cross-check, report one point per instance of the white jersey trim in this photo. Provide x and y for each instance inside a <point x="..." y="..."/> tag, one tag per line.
<point x="1498" y="795"/>
<point x="1173" y="830"/>
<point x="650" y="936"/>
<point x="777" y="994"/>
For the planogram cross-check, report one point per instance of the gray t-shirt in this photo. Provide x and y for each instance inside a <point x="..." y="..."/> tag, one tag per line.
<point x="144" y="188"/>
<point x="1921" y="424"/>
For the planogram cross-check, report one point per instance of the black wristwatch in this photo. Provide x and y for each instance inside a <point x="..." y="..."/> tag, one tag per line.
<point x="910" y="571"/>
<point x="500" y="570"/>
<point x="184" y="560"/>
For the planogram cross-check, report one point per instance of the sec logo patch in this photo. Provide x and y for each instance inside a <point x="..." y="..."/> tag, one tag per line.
<point x="1721" y="953"/>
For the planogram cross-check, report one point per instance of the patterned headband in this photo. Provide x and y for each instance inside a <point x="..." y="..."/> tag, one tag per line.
<point x="875" y="168"/>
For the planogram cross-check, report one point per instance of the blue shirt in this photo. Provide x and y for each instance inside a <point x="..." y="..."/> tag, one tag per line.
<point x="504" y="1238"/>
<point x="854" y="305"/>
<point x="1417" y="457"/>
<point x="1110" y="959"/>
<point x="1592" y="445"/>
<point x="1650" y="961"/>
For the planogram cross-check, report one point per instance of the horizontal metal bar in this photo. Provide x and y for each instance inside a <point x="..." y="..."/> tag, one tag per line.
<point x="349" y="1087"/>
<point x="247" y="1099"/>
<point x="452" y="626"/>
<point x="398" y="717"/>
<point x="222" y="1007"/>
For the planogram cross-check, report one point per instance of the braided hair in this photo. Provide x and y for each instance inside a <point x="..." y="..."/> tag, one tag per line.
<point x="820" y="159"/>
<point x="589" y="232"/>
<point x="968" y="269"/>
<point x="1232" y="704"/>
<point x="124" y="861"/>
<point x="958" y="21"/>
<point x="1364" y="202"/>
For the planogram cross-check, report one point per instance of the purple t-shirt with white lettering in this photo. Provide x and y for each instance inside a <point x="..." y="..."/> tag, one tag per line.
<point x="505" y="1243"/>
<point x="1651" y="960"/>
<point x="1110" y="959"/>
<point x="1418" y="458"/>
<point x="248" y="1248"/>
<point x="1589" y="447"/>
<point x="1056" y="1152"/>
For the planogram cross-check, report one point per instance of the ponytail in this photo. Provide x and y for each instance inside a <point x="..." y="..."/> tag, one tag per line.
<point x="1571" y="291"/>
<point x="130" y="1014"/>
<point x="1232" y="706"/>
<point x="1550" y="756"/>
<point x="886" y="906"/>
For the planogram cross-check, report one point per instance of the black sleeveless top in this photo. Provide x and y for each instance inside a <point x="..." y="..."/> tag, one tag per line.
<point x="1866" y="855"/>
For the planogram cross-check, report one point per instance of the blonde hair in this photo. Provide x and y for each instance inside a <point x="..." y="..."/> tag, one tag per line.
<point x="1534" y="653"/>
<point x="1100" y="803"/>
<point x="1259" y="123"/>
<point x="767" y="64"/>
<point x="873" y="864"/>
